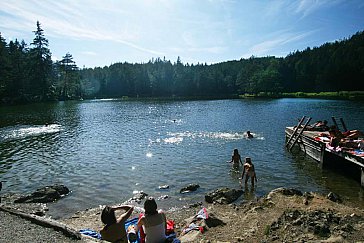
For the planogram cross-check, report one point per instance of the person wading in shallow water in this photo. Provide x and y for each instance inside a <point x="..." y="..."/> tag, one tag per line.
<point x="236" y="159"/>
<point x="248" y="167"/>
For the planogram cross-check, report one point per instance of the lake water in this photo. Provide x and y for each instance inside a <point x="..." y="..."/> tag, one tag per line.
<point x="106" y="150"/>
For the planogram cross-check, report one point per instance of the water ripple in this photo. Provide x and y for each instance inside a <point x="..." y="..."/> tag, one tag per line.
<point x="103" y="150"/>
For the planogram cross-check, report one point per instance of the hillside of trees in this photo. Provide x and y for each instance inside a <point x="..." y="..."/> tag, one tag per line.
<point x="28" y="74"/>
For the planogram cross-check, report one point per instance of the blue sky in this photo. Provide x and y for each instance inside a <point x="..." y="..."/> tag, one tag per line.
<point x="102" y="32"/>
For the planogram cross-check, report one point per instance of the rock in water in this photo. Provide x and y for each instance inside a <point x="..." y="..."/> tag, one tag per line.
<point x="45" y="194"/>
<point x="189" y="188"/>
<point x="223" y="195"/>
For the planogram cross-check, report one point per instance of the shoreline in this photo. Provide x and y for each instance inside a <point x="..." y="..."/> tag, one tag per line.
<point x="281" y="215"/>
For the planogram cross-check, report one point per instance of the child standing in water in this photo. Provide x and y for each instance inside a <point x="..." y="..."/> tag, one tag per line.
<point x="235" y="159"/>
<point x="248" y="167"/>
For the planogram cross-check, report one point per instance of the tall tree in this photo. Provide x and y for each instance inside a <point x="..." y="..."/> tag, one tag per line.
<point x="41" y="65"/>
<point x="69" y="80"/>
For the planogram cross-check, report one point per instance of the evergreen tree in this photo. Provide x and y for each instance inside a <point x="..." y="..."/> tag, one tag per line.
<point x="40" y="66"/>
<point x="4" y="68"/>
<point x="69" y="80"/>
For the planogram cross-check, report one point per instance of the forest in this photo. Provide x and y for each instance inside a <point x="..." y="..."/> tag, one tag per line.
<point x="28" y="74"/>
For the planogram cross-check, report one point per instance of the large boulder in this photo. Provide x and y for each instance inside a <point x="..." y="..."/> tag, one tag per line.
<point x="189" y="188"/>
<point x="45" y="194"/>
<point x="223" y="195"/>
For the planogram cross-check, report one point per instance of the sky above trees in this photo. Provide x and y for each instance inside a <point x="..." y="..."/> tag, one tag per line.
<point x="99" y="33"/>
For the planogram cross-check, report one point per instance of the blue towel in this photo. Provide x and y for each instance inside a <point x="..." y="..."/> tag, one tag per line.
<point x="91" y="233"/>
<point x="133" y="221"/>
<point x="95" y="234"/>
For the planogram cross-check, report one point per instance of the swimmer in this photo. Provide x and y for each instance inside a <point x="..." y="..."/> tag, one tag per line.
<point x="249" y="135"/>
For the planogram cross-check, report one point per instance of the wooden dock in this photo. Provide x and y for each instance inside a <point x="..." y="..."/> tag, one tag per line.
<point x="317" y="149"/>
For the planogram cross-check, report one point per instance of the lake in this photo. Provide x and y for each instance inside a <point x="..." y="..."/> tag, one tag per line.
<point x="106" y="150"/>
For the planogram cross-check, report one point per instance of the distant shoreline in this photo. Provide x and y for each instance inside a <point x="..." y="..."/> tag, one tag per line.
<point x="339" y="95"/>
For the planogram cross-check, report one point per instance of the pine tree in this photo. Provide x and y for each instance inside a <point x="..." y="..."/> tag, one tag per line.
<point x="69" y="83"/>
<point x="41" y="66"/>
<point x="4" y="67"/>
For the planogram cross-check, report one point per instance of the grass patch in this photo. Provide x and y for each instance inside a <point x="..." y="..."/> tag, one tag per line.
<point x="267" y="229"/>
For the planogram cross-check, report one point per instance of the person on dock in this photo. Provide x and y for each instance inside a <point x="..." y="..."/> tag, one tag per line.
<point x="353" y="134"/>
<point x="236" y="159"/>
<point x="249" y="169"/>
<point x="153" y="222"/>
<point x="114" y="229"/>
<point x="249" y="135"/>
<point x="350" y="134"/>
<point x="320" y="126"/>
<point x="335" y="136"/>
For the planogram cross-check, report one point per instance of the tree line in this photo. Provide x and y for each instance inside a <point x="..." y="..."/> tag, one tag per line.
<point x="333" y="66"/>
<point x="28" y="74"/>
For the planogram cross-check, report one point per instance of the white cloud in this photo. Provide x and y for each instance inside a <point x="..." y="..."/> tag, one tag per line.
<point x="276" y="42"/>
<point x="307" y="7"/>
<point x="89" y="53"/>
<point x="66" y="20"/>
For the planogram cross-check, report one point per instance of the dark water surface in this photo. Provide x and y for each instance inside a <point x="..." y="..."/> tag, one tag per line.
<point x="106" y="150"/>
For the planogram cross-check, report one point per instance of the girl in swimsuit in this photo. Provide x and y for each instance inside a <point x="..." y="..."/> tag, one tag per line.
<point x="235" y="159"/>
<point x="248" y="167"/>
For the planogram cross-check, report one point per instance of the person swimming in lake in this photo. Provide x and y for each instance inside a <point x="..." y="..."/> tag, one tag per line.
<point x="249" y="169"/>
<point x="236" y="159"/>
<point x="249" y="135"/>
<point x="114" y="229"/>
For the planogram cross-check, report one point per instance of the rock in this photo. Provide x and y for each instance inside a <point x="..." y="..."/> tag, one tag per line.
<point x="138" y="197"/>
<point x="285" y="192"/>
<point x="308" y="195"/>
<point x="162" y="197"/>
<point x="191" y="236"/>
<point x="213" y="221"/>
<point x="334" y="239"/>
<point x="323" y="230"/>
<point x="195" y="205"/>
<point x="189" y="188"/>
<point x="223" y="195"/>
<point x="45" y="194"/>
<point x="334" y="197"/>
